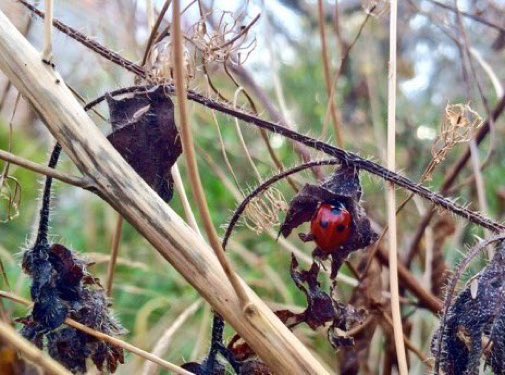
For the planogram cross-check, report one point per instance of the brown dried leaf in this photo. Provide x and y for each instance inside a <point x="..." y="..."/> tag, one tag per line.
<point x="145" y="134"/>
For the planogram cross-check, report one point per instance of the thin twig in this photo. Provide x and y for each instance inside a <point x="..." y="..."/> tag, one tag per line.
<point x="469" y="15"/>
<point x="161" y="346"/>
<point x="391" y="197"/>
<point x="179" y="186"/>
<point x="82" y="182"/>
<point x="116" y="240"/>
<point x="154" y="31"/>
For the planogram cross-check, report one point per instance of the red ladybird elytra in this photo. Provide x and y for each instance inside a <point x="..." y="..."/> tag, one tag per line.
<point x="331" y="226"/>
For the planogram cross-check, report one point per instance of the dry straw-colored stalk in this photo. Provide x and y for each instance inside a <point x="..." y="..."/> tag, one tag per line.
<point x="391" y="198"/>
<point x="127" y="192"/>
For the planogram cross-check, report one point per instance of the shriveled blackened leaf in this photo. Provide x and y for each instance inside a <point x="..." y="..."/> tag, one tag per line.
<point x="62" y="287"/>
<point x="289" y="318"/>
<point x="320" y="305"/>
<point x="254" y="367"/>
<point x="68" y="346"/>
<point x="145" y="134"/>
<point x="475" y="323"/>
<point x="203" y="369"/>
<point x="343" y="187"/>
<point x="346" y="317"/>
<point x="49" y="311"/>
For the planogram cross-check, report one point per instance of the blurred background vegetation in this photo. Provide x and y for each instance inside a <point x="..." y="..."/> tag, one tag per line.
<point x="287" y="65"/>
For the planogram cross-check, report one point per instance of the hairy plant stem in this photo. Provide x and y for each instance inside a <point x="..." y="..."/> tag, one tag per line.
<point x="344" y="156"/>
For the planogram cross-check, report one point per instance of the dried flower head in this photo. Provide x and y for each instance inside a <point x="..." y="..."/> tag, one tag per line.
<point x="159" y="64"/>
<point x="262" y="212"/>
<point x="458" y="125"/>
<point x="227" y="41"/>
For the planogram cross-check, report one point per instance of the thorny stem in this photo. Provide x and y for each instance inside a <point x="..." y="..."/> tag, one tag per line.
<point x="264" y="186"/>
<point x="346" y="157"/>
<point x="46" y="200"/>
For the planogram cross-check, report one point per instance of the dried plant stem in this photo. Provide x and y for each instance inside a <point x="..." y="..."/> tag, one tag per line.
<point x="391" y="198"/>
<point x="127" y="193"/>
<point x="241" y="137"/>
<point x="116" y="240"/>
<point x="150" y="14"/>
<point x="469" y="15"/>
<point x="42" y="169"/>
<point x="47" y="53"/>
<point x="335" y="115"/>
<point x="410" y="345"/>
<point x="188" y="211"/>
<point x="189" y="152"/>
<point x="161" y="346"/>
<point x="11" y="337"/>
<point x="154" y="30"/>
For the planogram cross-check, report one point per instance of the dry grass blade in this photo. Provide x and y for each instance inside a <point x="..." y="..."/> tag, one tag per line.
<point x="116" y="239"/>
<point x="164" y="341"/>
<point x="391" y="199"/>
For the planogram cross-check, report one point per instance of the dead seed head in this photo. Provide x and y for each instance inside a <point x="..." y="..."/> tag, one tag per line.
<point x="262" y="212"/>
<point x="458" y="125"/>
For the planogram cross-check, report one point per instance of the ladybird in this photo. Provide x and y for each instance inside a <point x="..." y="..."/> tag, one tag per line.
<point x="331" y="226"/>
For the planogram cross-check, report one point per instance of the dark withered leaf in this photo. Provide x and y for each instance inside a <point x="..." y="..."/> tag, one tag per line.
<point x="342" y="187"/>
<point x="62" y="287"/>
<point x="320" y="308"/>
<point x="475" y="323"/>
<point x="346" y="317"/>
<point x="145" y="134"/>
<point x="203" y="369"/>
<point x="254" y="367"/>
<point x="68" y="346"/>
